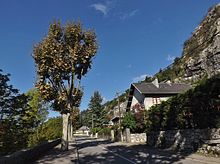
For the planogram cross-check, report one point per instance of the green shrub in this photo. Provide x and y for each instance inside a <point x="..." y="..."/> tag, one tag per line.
<point x="197" y="108"/>
<point x="105" y="131"/>
<point x="128" y="121"/>
<point x="50" y="130"/>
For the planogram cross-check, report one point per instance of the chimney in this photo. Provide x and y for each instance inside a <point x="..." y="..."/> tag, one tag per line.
<point x="155" y="82"/>
<point x="169" y="82"/>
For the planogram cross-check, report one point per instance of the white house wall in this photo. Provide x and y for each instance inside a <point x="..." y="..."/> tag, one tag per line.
<point x="137" y="98"/>
<point x="148" y="101"/>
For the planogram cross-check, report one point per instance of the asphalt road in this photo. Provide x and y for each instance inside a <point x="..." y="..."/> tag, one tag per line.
<point x="101" y="151"/>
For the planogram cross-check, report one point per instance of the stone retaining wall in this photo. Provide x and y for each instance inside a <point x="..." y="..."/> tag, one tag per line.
<point x="188" y="139"/>
<point x="138" y="138"/>
<point x="29" y="155"/>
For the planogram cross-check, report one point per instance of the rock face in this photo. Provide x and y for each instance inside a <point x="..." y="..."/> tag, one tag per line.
<point x="201" y="52"/>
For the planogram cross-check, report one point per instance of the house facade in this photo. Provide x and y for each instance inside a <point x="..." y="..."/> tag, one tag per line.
<point x="118" y="113"/>
<point x="149" y="94"/>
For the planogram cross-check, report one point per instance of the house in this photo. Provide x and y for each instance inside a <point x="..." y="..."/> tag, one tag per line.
<point x="148" y="94"/>
<point x="118" y="113"/>
<point x="83" y="130"/>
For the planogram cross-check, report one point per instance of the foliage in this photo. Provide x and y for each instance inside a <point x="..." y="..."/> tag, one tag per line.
<point x="197" y="108"/>
<point x="95" y="105"/>
<point x="95" y="129"/>
<point x="115" y="127"/>
<point x="95" y="115"/>
<point x="50" y="130"/>
<point x="75" y="119"/>
<point x="171" y="72"/>
<point x="103" y="111"/>
<point x="86" y="118"/>
<point x="109" y="105"/>
<point x="138" y="111"/>
<point x="122" y="98"/>
<point x="38" y="106"/>
<point x="106" y="131"/>
<point x="62" y="58"/>
<point x="148" y="79"/>
<point x="17" y="118"/>
<point x="128" y="121"/>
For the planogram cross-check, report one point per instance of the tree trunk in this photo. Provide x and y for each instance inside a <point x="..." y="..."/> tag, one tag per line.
<point x="69" y="131"/>
<point x="65" y="142"/>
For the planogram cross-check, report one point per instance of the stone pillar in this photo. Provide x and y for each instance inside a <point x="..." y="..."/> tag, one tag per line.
<point x="128" y="135"/>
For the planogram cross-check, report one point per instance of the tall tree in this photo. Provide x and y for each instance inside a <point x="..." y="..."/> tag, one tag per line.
<point x="16" y="117"/>
<point x="62" y="58"/>
<point x="96" y="108"/>
<point x="38" y="106"/>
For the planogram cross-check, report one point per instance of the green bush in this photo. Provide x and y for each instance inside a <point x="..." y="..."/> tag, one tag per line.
<point x="128" y="121"/>
<point x="95" y="130"/>
<point x="50" y="130"/>
<point x="197" y="108"/>
<point x="105" y="131"/>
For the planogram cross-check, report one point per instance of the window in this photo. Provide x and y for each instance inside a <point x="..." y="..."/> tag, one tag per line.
<point x="156" y="100"/>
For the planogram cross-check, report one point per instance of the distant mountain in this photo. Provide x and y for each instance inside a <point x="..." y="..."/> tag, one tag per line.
<point x="201" y="53"/>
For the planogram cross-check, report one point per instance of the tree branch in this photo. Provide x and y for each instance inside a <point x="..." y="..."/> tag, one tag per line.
<point x="54" y="86"/>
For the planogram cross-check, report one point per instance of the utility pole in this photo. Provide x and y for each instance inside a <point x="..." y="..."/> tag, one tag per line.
<point x="119" y="110"/>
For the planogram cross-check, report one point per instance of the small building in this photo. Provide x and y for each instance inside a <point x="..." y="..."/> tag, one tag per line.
<point x="118" y="113"/>
<point x="83" y="130"/>
<point x="148" y="94"/>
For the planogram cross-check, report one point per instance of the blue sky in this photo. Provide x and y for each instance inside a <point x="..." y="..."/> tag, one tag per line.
<point x="136" y="37"/>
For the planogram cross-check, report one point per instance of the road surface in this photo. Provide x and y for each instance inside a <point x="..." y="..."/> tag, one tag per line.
<point x="102" y="151"/>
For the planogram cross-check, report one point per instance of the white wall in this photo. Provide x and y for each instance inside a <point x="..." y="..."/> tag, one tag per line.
<point x="137" y="98"/>
<point x="148" y="101"/>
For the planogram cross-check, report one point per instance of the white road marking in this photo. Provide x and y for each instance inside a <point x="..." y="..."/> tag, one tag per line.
<point x="118" y="155"/>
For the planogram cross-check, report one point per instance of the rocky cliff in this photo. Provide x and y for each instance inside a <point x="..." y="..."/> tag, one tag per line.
<point x="201" y="52"/>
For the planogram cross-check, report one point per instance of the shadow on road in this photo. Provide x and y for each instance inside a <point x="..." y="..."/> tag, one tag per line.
<point x="105" y="151"/>
<point x="115" y="153"/>
<point x="56" y="155"/>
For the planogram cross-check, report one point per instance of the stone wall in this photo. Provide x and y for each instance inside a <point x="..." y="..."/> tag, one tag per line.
<point x="138" y="138"/>
<point x="187" y="140"/>
<point x="29" y="155"/>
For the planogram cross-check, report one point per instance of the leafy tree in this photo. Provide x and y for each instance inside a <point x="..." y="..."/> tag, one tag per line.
<point x="7" y="96"/>
<point x="49" y="130"/>
<point x="62" y="58"/>
<point x="148" y="79"/>
<point x="138" y="110"/>
<point x="38" y="105"/>
<point x="16" y="117"/>
<point x="128" y="121"/>
<point x="74" y="120"/>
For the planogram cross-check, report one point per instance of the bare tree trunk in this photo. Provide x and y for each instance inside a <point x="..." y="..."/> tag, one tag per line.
<point x="65" y="142"/>
<point x="69" y="131"/>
